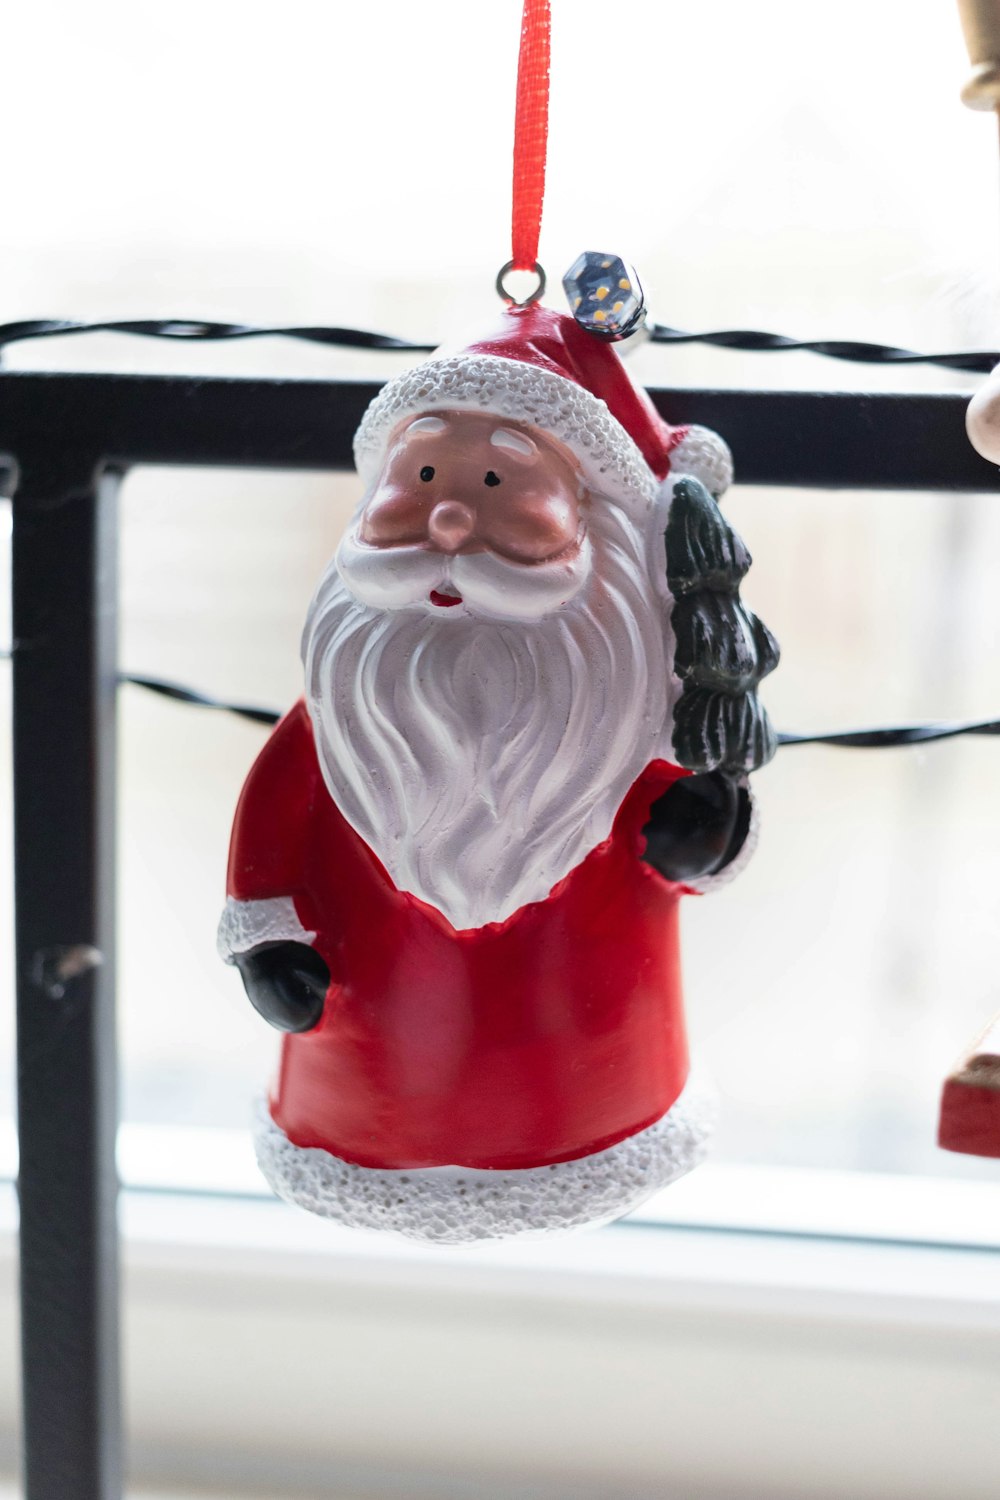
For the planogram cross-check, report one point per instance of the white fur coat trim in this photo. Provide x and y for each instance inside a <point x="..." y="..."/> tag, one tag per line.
<point x="452" y="1205"/>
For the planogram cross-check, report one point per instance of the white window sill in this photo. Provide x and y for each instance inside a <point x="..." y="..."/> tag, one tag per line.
<point x="268" y="1346"/>
<point x="787" y="1201"/>
<point x="754" y="1199"/>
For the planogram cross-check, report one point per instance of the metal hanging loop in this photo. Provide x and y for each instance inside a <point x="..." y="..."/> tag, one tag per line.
<point x="533" y="296"/>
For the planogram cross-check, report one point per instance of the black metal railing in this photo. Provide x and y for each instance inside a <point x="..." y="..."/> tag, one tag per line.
<point x="65" y="442"/>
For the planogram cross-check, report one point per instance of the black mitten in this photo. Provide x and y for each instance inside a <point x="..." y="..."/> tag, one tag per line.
<point x="286" y="983"/>
<point x="697" y="827"/>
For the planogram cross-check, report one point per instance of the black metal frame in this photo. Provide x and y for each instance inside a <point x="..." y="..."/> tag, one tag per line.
<point x="66" y="439"/>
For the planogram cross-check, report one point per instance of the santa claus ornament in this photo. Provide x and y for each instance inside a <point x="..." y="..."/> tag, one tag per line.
<point x="530" y="713"/>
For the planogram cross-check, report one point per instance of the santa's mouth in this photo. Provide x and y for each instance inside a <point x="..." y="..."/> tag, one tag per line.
<point x="444" y="601"/>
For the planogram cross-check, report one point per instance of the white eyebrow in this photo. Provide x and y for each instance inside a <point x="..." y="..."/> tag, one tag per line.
<point x="428" y="424"/>
<point x="514" y="442"/>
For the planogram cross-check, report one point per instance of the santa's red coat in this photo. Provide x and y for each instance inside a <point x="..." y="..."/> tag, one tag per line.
<point x="548" y="1036"/>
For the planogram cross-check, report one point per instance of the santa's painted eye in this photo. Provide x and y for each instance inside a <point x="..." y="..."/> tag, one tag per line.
<point x="491" y="478"/>
<point x="427" y="473"/>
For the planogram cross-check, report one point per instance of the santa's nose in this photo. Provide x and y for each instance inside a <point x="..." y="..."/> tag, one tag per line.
<point x="450" y="524"/>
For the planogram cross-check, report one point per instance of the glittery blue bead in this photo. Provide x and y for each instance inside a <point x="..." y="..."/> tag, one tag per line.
<point x="604" y="295"/>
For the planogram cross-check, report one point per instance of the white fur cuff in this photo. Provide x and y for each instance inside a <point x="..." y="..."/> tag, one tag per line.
<point x="452" y="1205"/>
<point x="247" y="924"/>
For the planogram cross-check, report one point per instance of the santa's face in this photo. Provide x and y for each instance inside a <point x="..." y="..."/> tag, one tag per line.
<point x="482" y="748"/>
<point x="470" y="514"/>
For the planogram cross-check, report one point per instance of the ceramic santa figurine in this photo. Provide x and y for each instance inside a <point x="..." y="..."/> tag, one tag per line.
<point x="456" y="866"/>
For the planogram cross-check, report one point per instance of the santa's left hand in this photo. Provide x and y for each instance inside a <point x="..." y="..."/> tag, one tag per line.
<point x="286" y="984"/>
<point x="697" y="827"/>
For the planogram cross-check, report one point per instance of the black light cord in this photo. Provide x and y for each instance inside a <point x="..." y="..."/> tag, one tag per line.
<point x="196" y="330"/>
<point x="200" y="700"/>
<point x="853" y="739"/>
<point x="879" y="739"/>
<point x="857" y="739"/>
<point x="980" y="362"/>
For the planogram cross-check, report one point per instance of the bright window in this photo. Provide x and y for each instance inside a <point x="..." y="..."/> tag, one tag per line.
<point x="774" y="165"/>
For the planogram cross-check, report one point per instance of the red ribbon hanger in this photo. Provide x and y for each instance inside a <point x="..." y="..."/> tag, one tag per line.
<point x="531" y="130"/>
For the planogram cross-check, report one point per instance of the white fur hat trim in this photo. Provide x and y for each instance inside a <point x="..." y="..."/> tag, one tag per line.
<point x="610" y="460"/>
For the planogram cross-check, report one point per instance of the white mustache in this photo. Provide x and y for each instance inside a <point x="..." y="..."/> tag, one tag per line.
<point x="389" y="577"/>
<point x="401" y="577"/>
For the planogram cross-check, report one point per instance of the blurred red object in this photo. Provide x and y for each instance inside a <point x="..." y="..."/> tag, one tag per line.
<point x="970" y="1101"/>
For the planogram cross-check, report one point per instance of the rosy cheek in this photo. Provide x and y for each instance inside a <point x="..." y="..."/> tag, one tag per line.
<point x="535" y="529"/>
<point x="393" y="519"/>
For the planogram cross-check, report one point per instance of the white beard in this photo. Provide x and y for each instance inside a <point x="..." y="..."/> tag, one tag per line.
<point x="481" y="760"/>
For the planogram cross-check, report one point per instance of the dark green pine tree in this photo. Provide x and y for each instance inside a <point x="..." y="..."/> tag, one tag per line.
<point x="722" y="649"/>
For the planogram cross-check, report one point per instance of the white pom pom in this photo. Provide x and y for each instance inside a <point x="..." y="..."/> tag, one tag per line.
<point x="703" y="455"/>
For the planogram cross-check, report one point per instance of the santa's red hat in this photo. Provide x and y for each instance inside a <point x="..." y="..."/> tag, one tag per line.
<point x="541" y="367"/>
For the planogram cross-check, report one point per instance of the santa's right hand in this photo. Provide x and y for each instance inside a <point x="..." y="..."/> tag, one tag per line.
<point x="286" y="983"/>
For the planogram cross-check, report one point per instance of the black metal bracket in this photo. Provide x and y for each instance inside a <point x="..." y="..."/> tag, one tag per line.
<point x="825" y="439"/>
<point x="64" y="440"/>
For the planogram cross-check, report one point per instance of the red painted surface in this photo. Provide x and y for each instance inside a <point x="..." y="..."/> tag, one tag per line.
<point x="548" y="1036"/>
<point x="970" y="1118"/>
<point x="552" y="341"/>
